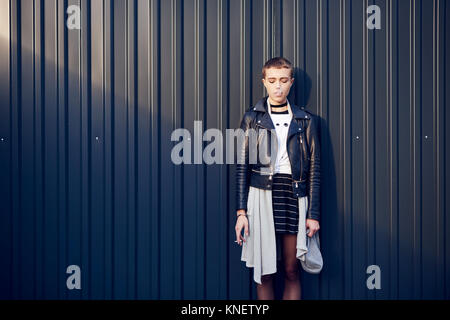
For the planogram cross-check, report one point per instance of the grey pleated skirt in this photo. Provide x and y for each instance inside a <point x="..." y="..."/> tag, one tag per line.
<point x="261" y="250"/>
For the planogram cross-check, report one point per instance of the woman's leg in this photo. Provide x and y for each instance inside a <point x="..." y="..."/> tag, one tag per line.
<point x="292" y="289"/>
<point x="265" y="289"/>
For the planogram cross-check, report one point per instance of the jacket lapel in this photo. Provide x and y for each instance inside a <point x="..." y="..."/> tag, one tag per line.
<point x="266" y="121"/>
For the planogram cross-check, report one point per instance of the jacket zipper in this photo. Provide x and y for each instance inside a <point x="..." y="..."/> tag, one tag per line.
<point x="301" y="160"/>
<point x="259" y="171"/>
<point x="301" y="157"/>
<point x="297" y="182"/>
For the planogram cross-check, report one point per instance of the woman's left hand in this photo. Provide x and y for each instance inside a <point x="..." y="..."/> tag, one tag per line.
<point x="313" y="226"/>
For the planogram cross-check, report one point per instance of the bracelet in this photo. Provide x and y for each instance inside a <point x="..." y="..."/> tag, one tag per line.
<point x="241" y="214"/>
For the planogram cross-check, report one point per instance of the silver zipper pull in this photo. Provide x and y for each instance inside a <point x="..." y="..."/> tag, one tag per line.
<point x="301" y="140"/>
<point x="296" y="185"/>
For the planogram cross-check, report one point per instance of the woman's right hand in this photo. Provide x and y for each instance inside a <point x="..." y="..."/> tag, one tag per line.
<point x="241" y="222"/>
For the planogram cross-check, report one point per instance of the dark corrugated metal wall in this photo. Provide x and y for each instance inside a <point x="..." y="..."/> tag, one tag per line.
<point x="86" y="117"/>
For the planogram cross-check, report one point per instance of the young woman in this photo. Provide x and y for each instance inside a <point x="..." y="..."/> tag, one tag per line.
<point x="278" y="195"/>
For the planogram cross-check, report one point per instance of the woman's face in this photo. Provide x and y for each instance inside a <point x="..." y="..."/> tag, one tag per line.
<point x="278" y="82"/>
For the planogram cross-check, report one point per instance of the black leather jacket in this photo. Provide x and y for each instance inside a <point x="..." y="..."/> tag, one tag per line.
<point x="303" y="148"/>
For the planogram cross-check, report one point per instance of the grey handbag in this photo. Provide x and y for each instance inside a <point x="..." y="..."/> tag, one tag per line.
<point x="313" y="261"/>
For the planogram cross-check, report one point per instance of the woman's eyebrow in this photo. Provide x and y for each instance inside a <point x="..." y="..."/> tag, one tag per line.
<point x="274" y="78"/>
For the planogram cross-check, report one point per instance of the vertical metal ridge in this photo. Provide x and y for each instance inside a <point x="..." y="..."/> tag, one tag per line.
<point x="304" y="39"/>
<point x="320" y="59"/>
<point x="57" y="59"/>
<point x="419" y="199"/>
<point x="265" y="32"/>
<point x="413" y="135"/>
<point x="159" y="120"/>
<point x="154" y="87"/>
<point x="390" y="129"/>
<point x="196" y="57"/>
<point x="150" y="71"/>
<point x="11" y="185"/>
<point x="42" y="183"/>
<point x="174" y="111"/>
<point x="174" y="61"/>
<point x="127" y="147"/>
<point x="390" y="137"/>
<point x="19" y="42"/>
<point x="444" y="138"/>
<point x="107" y="102"/>
<point x="219" y="113"/>
<point x="104" y="85"/>
<point x="242" y="59"/>
<point x="273" y="28"/>
<point x="80" y="74"/>
<point x="280" y="25"/>
<point x="60" y="93"/>
<point x="112" y="75"/>
<point x="320" y="77"/>
<point x="158" y="109"/>
<point x="267" y="41"/>
<point x="13" y="101"/>
<point x="196" y="104"/>
<point x="151" y="100"/>
<point x="295" y="33"/>
<point x="205" y="118"/>
<point x="373" y="191"/>
<point x="18" y="71"/>
<point x="136" y="109"/>
<point x="342" y="152"/>
<point x="135" y="95"/>
<point x="227" y="171"/>
<point x="33" y="71"/>
<point x="182" y="173"/>
<point x="219" y="64"/>
<point x="267" y="35"/>
<point x="327" y="282"/>
<point x="131" y="146"/>
<point x="366" y="132"/>
<point x="65" y="125"/>
<point x="397" y="81"/>
<point x="89" y="148"/>
<point x="436" y="141"/>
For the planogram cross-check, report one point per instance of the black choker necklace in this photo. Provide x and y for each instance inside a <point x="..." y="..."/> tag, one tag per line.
<point x="276" y="108"/>
<point x="278" y="105"/>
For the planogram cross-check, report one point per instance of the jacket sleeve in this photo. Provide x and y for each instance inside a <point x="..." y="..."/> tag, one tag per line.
<point x="243" y="169"/>
<point x="313" y="136"/>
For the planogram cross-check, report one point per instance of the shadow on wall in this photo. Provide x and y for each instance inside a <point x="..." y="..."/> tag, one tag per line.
<point x="301" y="88"/>
<point x="75" y="196"/>
<point x="314" y="285"/>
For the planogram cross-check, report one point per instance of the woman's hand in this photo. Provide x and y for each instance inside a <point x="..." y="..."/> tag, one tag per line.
<point x="241" y="222"/>
<point x="313" y="226"/>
